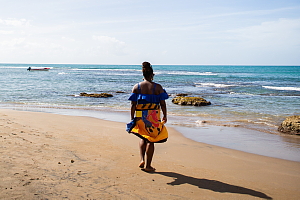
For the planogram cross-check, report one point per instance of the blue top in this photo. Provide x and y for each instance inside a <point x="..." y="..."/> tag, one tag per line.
<point x="148" y="98"/>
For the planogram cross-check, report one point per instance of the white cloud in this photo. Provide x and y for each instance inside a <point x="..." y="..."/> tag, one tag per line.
<point x="6" y="32"/>
<point x="108" y="40"/>
<point x="271" y="42"/>
<point x="283" y="32"/>
<point x="110" y="45"/>
<point x="13" y="43"/>
<point x="252" y="12"/>
<point x="15" y="22"/>
<point x="68" y="39"/>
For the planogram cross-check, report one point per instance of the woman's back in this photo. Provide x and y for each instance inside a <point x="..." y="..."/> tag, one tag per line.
<point x="147" y="87"/>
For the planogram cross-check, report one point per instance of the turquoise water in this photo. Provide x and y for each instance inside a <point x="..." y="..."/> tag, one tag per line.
<point x="251" y="97"/>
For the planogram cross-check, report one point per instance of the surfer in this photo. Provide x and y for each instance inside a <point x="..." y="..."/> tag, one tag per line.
<point x="147" y="99"/>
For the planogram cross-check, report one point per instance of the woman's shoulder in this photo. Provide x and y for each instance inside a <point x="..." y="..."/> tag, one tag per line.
<point x="135" y="88"/>
<point x="158" y="85"/>
<point x="158" y="88"/>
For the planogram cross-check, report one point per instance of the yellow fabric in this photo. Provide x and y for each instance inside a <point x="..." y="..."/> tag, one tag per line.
<point x="138" y="113"/>
<point x="149" y="106"/>
<point x="148" y="124"/>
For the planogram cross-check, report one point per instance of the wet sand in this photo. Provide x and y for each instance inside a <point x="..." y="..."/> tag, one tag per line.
<point x="50" y="156"/>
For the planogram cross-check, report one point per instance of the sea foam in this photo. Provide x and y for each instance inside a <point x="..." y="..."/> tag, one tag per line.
<point x="282" y="88"/>
<point x="191" y="73"/>
<point x="213" y="85"/>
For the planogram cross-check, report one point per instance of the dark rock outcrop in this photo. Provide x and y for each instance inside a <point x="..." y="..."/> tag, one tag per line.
<point x="181" y="95"/>
<point x="291" y="125"/>
<point x="192" y="101"/>
<point x="101" y="95"/>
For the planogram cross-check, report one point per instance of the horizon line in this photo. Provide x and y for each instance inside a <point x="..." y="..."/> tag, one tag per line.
<point x="156" y="64"/>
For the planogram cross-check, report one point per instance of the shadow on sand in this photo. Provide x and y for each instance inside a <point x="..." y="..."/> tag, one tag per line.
<point x="213" y="185"/>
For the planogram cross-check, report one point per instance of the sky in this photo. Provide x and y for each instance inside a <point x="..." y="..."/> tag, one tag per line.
<point x="194" y="32"/>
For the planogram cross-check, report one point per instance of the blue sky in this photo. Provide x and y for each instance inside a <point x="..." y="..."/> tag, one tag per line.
<point x="251" y="32"/>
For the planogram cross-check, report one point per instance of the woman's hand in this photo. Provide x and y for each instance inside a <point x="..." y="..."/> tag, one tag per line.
<point x="164" y="120"/>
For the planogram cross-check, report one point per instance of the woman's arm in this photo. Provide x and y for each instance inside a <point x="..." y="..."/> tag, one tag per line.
<point x="133" y="103"/>
<point x="133" y="106"/>
<point x="162" y="103"/>
<point x="164" y="110"/>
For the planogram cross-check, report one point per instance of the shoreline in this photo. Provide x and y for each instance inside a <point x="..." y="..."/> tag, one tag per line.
<point x="47" y="155"/>
<point x="238" y="138"/>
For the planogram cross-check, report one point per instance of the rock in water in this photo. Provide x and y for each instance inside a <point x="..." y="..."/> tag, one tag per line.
<point x="193" y="101"/>
<point x="181" y="95"/>
<point x="96" y="95"/>
<point x="291" y="125"/>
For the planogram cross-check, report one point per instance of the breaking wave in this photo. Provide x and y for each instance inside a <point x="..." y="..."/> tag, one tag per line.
<point x="282" y="88"/>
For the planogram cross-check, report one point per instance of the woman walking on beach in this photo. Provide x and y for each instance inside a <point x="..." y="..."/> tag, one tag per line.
<point x="147" y="98"/>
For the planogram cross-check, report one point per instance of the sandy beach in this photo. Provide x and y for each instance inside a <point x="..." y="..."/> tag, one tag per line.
<point x="50" y="156"/>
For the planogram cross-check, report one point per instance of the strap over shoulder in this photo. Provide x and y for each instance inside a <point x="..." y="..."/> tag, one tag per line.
<point x="153" y="92"/>
<point x="139" y="89"/>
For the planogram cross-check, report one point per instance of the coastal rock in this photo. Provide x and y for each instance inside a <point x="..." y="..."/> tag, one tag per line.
<point x="105" y="95"/>
<point x="181" y="95"/>
<point x="291" y="125"/>
<point x="192" y="101"/>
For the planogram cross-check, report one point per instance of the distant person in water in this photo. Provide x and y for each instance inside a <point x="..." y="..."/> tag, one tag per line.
<point x="147" y="99"/>
<point x="29" y="68"/>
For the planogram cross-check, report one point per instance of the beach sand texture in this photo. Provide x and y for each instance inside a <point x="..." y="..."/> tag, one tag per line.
<point x="49" y="156"/>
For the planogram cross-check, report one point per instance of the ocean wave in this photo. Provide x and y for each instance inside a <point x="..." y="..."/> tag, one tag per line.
<point x="242" y="94"/>
<point x="192" y="73"/>
<point x="24" y="67"/>
<point x="13" y="67"/>
<point x="219" y="85"/>
<point x="78" y="69"/>
<point x="282" y="88"/>
<point x="257" y="121"/>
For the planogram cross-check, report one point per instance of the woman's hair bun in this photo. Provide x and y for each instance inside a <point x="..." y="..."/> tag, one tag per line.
<point x="146" y="65"/>
<point x="147" y="69"/>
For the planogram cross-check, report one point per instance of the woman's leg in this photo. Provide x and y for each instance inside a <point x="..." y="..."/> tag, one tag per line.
<point x="149" y="153"/>
<point x="143" y="146"/>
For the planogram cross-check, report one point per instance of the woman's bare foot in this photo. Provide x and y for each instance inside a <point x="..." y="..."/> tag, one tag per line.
<point x="142" y="164"/>
<point x="149" y="169"/>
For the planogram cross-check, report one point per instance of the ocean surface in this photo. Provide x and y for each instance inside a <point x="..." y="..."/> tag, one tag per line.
<point x="256" y="98"/>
